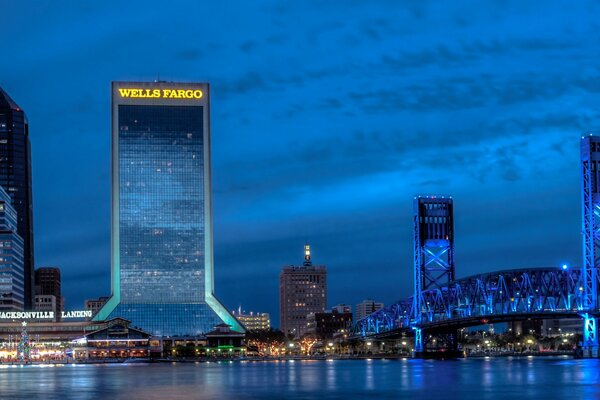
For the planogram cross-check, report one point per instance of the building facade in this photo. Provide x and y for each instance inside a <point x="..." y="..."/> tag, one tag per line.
<point x="254" y="321"/>
<point x="15" y="178"/>
<point x="46" y="302"/>
<point x="342" y="308"/>
<point x="94" y="305"/>
<point x="12" y="285"/>
<point x="47" y="283"/>
<point x="302" y="291"/>
<point x="162" y="253"/>
<point x="367" y="307"/>
<point x="328" y="324"/>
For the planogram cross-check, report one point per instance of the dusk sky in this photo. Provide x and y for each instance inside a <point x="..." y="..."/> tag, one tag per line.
<point x="327" y="118"/>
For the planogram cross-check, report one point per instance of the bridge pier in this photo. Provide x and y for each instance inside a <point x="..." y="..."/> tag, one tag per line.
<point x="419" y="345"/>
<point x="590" y="337"/>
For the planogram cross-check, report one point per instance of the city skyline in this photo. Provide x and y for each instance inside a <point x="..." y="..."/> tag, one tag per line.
<point x="332" y="151"/>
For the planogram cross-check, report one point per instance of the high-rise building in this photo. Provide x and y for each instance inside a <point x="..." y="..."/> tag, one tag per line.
<point x="302" y="290"/>
<point x="162" y="251"/>
<point x="12" y="287"/>
<point x="367" y="307"/>
<point x="254" y="321"/>
<point x="15" y="178"/>
<point x="47" y="283"/>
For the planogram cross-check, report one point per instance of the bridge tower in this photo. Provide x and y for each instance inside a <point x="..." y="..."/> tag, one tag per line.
<point x="590" y="188"/>
<point x="434" y="251"/>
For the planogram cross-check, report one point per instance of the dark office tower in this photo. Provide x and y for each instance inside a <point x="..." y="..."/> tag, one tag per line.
<point x="15" y="178"/>
<point x="162" y="260"/>
<point x="47" y="282"/>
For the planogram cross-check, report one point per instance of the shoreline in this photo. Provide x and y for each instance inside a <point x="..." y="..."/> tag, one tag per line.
<point x="277" y="359"/>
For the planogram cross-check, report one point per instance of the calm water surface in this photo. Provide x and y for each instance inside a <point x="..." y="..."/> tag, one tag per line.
<point x="501" y="378"/>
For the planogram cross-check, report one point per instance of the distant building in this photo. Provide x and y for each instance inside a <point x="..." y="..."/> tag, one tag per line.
<point x="302" y="290"/>
<point x="94" y="305"/>
<point x="342" y="308"/>
<point x="553" y="327"/>
<point x="254" y="321"/>
<point x="12" y="286"/>
<point x="326" y="325"/>
<point x="367" y="307"/>
<point x="15" y="178"/>
<point x="47" y="282"/>
<point x="46" y="302"/>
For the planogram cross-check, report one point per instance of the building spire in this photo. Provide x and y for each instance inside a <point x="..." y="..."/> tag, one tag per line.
<point x="307" y="262"/>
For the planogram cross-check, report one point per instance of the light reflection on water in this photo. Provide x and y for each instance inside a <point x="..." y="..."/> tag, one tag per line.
<point x="490" y="379"/>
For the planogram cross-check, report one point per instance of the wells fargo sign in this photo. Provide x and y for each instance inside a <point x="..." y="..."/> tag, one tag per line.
<point x="160" y="93"/>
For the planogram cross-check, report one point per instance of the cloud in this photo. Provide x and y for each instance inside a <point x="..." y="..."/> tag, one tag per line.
<point x="189" y="54"/>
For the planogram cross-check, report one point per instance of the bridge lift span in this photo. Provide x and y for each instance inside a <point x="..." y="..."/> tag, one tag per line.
<point x="434" y="253"/>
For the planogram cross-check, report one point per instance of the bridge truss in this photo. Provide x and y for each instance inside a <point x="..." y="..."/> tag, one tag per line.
<point x="484" y="298"/>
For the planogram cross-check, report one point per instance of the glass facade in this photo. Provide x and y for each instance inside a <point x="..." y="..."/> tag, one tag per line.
<point x="162" y="274"/>
<point x="15" y="178"/>
<point x="12" y="285"/>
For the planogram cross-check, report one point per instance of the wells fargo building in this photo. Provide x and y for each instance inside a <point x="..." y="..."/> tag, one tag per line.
<point x="162" y="253"/>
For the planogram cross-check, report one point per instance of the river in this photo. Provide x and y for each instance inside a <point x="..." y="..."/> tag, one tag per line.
<point x="481" y="378"/>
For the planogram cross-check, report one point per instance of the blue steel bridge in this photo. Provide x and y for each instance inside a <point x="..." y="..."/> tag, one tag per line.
<point x="502" y="296"/>
<point x="441" y="304"/>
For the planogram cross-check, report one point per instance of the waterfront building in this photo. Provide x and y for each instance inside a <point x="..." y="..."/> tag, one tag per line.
<point x="51" y="340"/>
<point x="12" y="286"/>
<point x="117" y="339"/>
<point x="223" y="342"/>
<point x="328" y="324"/>
<point x="254" y="321"/>
<point x="302" y="290"/>
<point x="94" y="305"/>
<point x="162" y="251"/>
<point x="47" y="283"/>
<point x="15" y="178"/>
<point x="367" y="307"/>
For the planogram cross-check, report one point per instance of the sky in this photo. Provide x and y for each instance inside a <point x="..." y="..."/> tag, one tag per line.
<point x="327" y="118"/>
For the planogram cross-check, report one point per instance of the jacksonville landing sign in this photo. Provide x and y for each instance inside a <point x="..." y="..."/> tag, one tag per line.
<point x="44" y="314"/>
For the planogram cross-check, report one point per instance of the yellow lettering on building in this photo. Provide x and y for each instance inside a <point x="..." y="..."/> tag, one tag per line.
<point x="136" y="93"/>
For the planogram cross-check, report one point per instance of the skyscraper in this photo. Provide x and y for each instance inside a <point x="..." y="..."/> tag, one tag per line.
<point x="15" y="178"/>
<point x="11" y="257"/>
<point x="162" y="252"/>
<point x="302" y="291"/>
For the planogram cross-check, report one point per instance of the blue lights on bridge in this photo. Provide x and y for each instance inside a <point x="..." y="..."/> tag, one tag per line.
<point x="441" y="303"/>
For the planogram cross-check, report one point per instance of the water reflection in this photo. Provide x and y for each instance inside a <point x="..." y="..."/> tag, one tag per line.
<point x="472" y="378"/>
